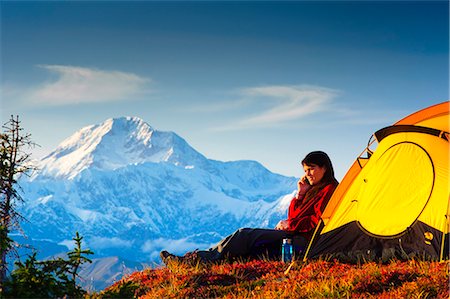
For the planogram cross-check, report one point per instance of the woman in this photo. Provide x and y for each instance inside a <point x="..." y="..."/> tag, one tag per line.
<point x="314" y="190"/>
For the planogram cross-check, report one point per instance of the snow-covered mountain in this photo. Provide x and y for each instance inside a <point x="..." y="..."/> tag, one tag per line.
<point x="114" y="144"/>
<point x="132" y="191"/>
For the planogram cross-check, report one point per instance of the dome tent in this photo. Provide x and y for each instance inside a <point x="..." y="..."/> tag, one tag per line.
<point x="394" y="200"/>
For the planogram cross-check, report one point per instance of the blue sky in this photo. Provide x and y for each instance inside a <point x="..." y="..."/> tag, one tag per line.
<point x="266" y="81"/>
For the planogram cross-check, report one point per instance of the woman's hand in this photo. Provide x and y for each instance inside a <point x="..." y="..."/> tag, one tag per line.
<point x="282" y="225"/>
<point x="302" y="186"/>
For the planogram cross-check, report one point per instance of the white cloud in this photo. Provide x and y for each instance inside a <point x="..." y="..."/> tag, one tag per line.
<point x="75" y="85"/>
<point x="290" y="102"/>
<point x="282" y="103"/>
<point x="102" y="243"/>
<point x="70" y="244"/>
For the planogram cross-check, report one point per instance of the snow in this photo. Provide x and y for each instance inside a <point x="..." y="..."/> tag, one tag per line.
<point x="83" y="214"/>
<point x="45" y="199"/>
<point x="116" y="143"/>
<point x="68" y="243"/>
<point x="126" y="184"/>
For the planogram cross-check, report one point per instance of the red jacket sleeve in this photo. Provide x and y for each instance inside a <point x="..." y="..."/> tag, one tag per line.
<point x="305" y="217"/>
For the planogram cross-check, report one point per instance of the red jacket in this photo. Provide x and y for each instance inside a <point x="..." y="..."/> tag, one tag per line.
<point x="303" y="218"/>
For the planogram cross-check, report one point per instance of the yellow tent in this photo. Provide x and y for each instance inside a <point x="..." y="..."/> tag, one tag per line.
<point x="394" y="200"/>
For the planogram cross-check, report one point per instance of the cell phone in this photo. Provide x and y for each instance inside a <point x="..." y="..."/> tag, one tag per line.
<point x="305" y="180"/>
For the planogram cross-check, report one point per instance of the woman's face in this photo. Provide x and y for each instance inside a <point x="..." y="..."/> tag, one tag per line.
<point x="314" y="173"/>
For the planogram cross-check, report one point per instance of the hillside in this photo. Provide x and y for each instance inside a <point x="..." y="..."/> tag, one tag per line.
<point x="131" y="190"/>
<point x="265" y="279"/>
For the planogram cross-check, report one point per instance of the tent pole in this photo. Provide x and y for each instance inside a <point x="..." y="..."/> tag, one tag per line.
<point x="445" y="231"/>
<point x="312" y="239"/>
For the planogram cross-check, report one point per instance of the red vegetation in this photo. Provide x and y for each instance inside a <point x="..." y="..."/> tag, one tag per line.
<point x="265" y="279"/>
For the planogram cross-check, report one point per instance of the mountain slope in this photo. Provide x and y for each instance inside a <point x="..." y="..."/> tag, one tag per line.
<point x="132" y="191"/>
<point x="116" y="143"/>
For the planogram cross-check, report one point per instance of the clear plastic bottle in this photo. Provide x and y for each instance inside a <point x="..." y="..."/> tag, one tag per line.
<point x="286" y="250"/>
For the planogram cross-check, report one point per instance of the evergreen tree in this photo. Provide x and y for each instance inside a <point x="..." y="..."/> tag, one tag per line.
<point x="77" y="257"/>
<point x="54" y="278"/>
<point x="13" y="163"/>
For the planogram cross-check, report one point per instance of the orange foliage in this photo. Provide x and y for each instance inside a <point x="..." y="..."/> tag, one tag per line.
<point x="266" y="279"/>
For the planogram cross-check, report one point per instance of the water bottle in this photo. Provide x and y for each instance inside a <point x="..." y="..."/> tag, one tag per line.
<point x="286" y="250"/>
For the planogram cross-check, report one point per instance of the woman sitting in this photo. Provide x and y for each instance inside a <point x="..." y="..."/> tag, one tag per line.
<point x="314" y="191"/>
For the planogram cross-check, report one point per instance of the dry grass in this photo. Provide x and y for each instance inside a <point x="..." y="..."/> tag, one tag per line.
<point x="266" y="279"/>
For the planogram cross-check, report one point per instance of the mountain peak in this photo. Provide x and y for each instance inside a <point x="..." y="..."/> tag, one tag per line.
<point x="127" y="123"/>
<point x="116" y="143"/>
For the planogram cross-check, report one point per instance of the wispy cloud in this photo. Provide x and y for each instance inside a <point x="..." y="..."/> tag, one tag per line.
<point x="114" y="242"/>
<point x="76" y="85"/>
<point x="291" y="102"/>
<point x="282" y="103"/>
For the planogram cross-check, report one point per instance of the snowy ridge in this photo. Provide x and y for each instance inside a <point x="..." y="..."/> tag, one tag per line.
<point x="115" y="143"/>
<point x="132" y="191"/>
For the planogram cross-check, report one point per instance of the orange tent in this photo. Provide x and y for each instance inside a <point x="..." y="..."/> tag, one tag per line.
<point x="394" y="200"/>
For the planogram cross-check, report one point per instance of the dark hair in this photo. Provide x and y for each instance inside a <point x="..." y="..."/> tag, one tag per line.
<point x="321" y="159"/>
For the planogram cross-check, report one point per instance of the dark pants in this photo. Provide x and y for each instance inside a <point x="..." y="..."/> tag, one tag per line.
<point x="253" y="243"/>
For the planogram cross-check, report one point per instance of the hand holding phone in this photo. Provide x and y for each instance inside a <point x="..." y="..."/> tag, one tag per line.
<point x="303" y="186"/>
<point x="306" y="181"/>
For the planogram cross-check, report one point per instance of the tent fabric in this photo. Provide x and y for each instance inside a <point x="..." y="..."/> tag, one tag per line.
<point x="395" y="201"/>
<point x="433" y="117"/>
<point x="349" y="243"/>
